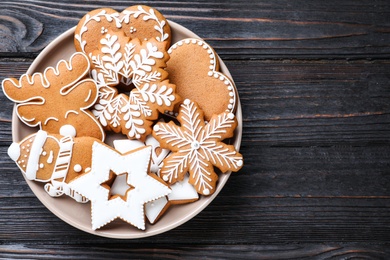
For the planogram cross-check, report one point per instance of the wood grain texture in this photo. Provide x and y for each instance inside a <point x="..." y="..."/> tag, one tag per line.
<point x="313" y="80"/>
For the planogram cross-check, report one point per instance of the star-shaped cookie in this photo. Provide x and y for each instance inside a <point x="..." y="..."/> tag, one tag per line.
<point x="143" y="188"/>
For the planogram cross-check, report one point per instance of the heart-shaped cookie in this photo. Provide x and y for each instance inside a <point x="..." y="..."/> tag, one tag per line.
<point x="193" y="67"/>
<point x="138" y="21"/>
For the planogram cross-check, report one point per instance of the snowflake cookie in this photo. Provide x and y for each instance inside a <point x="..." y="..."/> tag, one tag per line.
<point x="107" y="163"/>
<point x="138" y="21"/>
<point x="194" y="68"/>
<point x="197" y="147"/>
<point x="137" y="64"/>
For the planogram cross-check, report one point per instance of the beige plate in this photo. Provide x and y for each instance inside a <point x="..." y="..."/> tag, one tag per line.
<point x="79" y="215"/>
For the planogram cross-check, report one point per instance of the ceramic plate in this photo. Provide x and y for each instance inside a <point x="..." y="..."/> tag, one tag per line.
<point x="79" y="215"/>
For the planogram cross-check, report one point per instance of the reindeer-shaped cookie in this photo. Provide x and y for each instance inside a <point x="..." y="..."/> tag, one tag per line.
<point x="57" y="98"/>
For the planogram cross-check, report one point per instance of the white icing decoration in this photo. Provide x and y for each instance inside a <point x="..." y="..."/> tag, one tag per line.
<point x="134" y="68"/>
<point x="68" y="130"/>
<point x="153" y="209"/>
<point x="208" y="147"/>
<point x="123" y="18"/>
<point x="212" y="68"/>
<point x="41" y="165"/>
<point x="71" y="112"/>
<point x="135" y="164"/>
<point x="45" y="83"/>
<point x="50" y="158"/>
<point x="77" y="168"/>
<point x="14" y="151"/>
<point x="183" y="191"/>
<point x="33" y="160"/>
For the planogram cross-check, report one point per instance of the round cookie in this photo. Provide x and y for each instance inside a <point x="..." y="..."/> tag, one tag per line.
<point x="137" y="21"/>
<point x="193" y="67"/>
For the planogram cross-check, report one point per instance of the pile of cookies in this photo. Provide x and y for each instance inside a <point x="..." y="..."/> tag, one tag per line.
<point x="126" y="77"/>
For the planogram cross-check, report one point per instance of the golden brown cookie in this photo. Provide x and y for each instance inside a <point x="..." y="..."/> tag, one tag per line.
<point x="54" y="160"/>
<point x="57" y="98"/>
<point x="193" y="67"/>
<point x="140" y="66"/>
<point x="138" y="21"/>
<point x="197" y="147"/>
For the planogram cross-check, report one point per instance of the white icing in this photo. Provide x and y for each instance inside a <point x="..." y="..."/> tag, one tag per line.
<point x="183" y="191"/>
<point x="14" y="151"/>
<point x="50" y="158"/>
<point x="33" y="160"/>
<point x="77" y="168"/>
<point x="197" y="146"/>
<point x="72" y="111"/>
<point x="135" y="164"/>
<point x="153" y="209"/>
<point x="68" y="130"/>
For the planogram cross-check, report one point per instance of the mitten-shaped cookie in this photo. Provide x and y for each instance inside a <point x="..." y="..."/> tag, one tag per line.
<point x="53" y="159"/>
<point x="59" y="96"/>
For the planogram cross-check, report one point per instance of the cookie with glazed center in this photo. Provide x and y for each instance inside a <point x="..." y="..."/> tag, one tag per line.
<point x="54" y="159"/>
<point x="121" y="61"/>
<point x="138" y="21"/>
<point x="197" y="147"/>
<point x="194" y="68"/>
<point x="141" y="187"/>
<point x="59" y="96"/>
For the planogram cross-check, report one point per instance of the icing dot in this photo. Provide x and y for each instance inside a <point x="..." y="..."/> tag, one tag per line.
<point x="28" y="145"/>
<point x="204" y="46"/>
<point x="193" y="40"/>
<point x="211" y="56"/>
<point x="165" y="178"/>
<point x="41" y="165"/>
<point x="200" y="44"/>
<point x="44" y="153"/>
<point x="239" y="163"/>
<point x="209" y="51"/>
<point x="22" y="147"/>
<point x="68" y="130"/>
<point x="19" y="162"/>
<point x="77" y="168"/>
<point x="206" y="191"/>
<point x="22" y="161"/>
<point x="226" y="82"/>
<point x="221" y="78"/>
<point x="231" y="94"/>
<point x="156" y="128"/>
<point x="210" y="73"/>
<point x="187" y="101"/>
<point x="230" y="106"/>
<point x="216" y="75"/>
<point x="195" y="145"/>
<point x="87" y="169"/>
<point x="231" y="100"/>
<point x="230" y="88"/>
<point x="212" y="61"/>
<point x="180" y="43"/>
<point x="169" y="51"/>
<point x="230" y="115"/>
<point x="187" y="41"/>
<point x="211" y="67"/>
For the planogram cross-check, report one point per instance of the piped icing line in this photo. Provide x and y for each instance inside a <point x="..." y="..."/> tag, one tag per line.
<point x="212" y="68"/>
<point x="125" y="18"/>
<point x="33" y="160"/>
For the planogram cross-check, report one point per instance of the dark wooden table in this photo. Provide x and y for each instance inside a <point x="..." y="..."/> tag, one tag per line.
<point x="313" y="79"/>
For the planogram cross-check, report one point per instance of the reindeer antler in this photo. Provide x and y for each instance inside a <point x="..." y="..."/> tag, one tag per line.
<point x="57" y="97"/>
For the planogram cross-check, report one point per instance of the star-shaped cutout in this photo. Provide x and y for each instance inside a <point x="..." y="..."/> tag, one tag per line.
<point x="104" y="209"/>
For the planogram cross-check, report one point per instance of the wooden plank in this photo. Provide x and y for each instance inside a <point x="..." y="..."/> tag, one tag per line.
<point x="99" y="251"/>
<point x="236" y="29"/>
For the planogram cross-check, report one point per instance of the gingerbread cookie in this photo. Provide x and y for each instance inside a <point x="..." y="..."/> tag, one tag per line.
<point x="140" y="65"/>
<point x="139" y="21"/>
<point x="59" y="96"/>
<point x="194" y="68"/>
<point x="53" y="159"/>
<point x="181" y="192"/>
<point x="142" y="188"/>
<point x="197" y="147"/>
